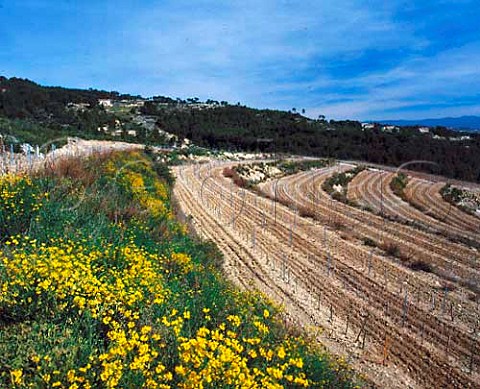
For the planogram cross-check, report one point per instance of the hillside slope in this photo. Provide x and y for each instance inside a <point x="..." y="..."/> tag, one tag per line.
<point x="102" y="288"/>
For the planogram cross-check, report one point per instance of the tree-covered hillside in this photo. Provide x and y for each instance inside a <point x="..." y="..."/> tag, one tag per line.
<point x="20" y="98"/>
<point x="37" y="114"/>
<point x="242" y="128"/>
<point x="33" y="113"/>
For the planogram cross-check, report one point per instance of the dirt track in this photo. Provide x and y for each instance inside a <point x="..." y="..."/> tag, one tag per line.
<point x="75" y="147"/>
<point x="323" y="273"/>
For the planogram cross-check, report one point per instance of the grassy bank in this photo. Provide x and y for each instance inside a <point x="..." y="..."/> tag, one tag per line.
<point x="100" y="287"/>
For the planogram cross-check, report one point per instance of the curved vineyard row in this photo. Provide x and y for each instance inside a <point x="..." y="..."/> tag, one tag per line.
<point x="392" y="321"/>
<point x="426" y="196"/>
<point x="371" y="188"/>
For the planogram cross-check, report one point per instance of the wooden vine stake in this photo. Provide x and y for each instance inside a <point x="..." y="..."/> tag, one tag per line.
<point x="386" y="345"/>
<point x="364" y="338"/>
<point x="370" y="262"/>
<point x="444" y="300"/>
<point x="472" y="356"/>
<point x="405" y="308"/>
<point x="346" y="324"/>
<point x="362" y="331"/>
<point x="447" y="346"/>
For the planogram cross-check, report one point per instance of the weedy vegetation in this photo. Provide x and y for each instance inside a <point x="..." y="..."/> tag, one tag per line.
<point x="337" y="185"/>
<point x="100" y="287"/>
<point x="398" y="184"/>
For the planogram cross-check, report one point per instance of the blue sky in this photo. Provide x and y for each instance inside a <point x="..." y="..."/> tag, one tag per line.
<point x="395" y="59"/>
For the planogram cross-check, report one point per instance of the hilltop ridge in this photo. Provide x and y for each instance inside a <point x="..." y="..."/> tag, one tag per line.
<point x="36" y="114"/>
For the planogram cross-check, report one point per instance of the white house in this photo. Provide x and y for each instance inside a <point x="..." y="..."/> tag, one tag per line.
<point x="105" y="102"/>
<point x="460" y="138"/>
<point x="389" y="129"/>
<point x="368" y="126"/>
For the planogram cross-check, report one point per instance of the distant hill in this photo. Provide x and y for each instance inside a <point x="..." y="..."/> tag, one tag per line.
<point x="459" y="123"/>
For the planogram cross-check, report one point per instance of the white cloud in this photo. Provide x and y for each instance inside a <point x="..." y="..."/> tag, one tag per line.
<point x="444" y="81"/>
<point x="251" y="51"/>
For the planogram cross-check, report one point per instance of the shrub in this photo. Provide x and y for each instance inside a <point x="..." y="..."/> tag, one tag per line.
<point x="228" y="172"/>
<point x="398" y="184"/>
<point x="369" y="242"/>
<point x="421" y="266"/>
<point x="393" y="250"/>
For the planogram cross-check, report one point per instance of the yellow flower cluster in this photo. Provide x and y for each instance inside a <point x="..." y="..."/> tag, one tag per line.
<point x="135" y="351"/>
<point x="16" y="376"/>
<point x="78" y="276"/>
<point x="154" y="199"/>
<point x="16" y="195"/>
<point x="11" y="179"/>
<point x="222" y="356"/>
<point x="183" y="263"/>
<point x="111" y="285"/>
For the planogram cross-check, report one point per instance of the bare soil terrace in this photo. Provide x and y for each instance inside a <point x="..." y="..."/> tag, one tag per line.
<point x="398" y="326"/>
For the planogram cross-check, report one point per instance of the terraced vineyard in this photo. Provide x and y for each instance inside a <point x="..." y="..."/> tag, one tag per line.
<point x="395" y="295"/>
<point x="425" y="207"/>
<point x="426" y="196"/>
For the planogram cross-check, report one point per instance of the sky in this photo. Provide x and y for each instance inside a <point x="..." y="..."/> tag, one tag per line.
<point x="345" y="59"/>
